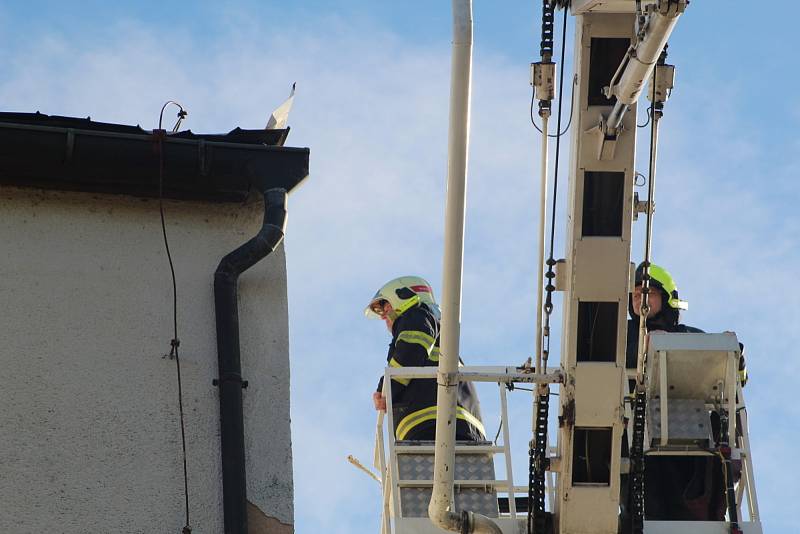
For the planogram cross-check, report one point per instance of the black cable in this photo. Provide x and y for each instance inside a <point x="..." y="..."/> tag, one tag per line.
<point x="551" y="262"/>
<point x="531" y="389"/>
<point x="571" y="108"/>
<point x="175" y="342"/>
<point x="649" y="117"/>
<point x="499" y="428"/>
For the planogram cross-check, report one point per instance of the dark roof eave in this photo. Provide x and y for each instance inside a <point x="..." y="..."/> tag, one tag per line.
<point x="112" y="162"/>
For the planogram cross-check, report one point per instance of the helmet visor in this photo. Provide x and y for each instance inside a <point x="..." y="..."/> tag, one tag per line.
<point x="375" y="309"/>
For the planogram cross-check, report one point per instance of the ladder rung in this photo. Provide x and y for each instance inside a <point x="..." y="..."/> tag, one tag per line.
<point x="476" y="449"/>
<point x="496" y="484"/>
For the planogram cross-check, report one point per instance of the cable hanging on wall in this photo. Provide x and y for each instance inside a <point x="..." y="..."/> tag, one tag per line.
<point x="160" y="135"/>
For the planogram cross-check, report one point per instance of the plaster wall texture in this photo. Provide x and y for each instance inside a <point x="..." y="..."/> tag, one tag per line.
<point x="90" y="427"/>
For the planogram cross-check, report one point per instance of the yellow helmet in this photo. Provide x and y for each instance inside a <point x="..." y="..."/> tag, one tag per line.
<point x="403" y="293"/>
<point x="660" y="278"/>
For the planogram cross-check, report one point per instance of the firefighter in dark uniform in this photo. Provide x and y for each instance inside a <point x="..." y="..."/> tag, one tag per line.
<point x="688" y="488"/>
<point x="407" y="306"/>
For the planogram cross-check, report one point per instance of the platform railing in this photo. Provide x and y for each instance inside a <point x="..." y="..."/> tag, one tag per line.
<point x="391" y="485"/>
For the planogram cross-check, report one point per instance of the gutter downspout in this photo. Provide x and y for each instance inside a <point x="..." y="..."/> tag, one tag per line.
<point x="440" y="510"/>
<point x="226" y="277"/>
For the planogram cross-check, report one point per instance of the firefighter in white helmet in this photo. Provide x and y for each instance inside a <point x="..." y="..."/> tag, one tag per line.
<point x="408" y="308"/>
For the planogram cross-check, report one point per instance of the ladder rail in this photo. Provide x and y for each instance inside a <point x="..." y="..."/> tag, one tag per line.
<point x="747" y="460"/>
<point x="387" y="451"/>
<point x="393" y="467"/>
<point x="512" y="501"/>
<point x="380" y="464"/>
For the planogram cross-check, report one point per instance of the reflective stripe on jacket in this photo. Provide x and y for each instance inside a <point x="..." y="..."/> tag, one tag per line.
<point x="415" y="343"/>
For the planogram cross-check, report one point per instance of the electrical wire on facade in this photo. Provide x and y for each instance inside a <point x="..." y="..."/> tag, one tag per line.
<point x="160" y="134"/>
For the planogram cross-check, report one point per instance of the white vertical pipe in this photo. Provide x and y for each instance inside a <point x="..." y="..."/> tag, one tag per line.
<point x="440" y="508"/>
<point x="542" y="231"/>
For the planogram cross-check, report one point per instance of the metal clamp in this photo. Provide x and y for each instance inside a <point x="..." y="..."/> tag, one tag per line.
<point x="641" y="206"/>
<point x="230" y="377"/>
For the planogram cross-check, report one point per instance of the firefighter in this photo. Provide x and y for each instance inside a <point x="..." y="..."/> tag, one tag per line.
<point x="664" y="314"/>
<point x="688" y="488"/>
<point x="665" y="307"/>
<point x="407" y="307"/>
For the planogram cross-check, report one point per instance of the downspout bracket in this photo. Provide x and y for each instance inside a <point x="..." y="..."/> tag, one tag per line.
<point x="230" y="377"/>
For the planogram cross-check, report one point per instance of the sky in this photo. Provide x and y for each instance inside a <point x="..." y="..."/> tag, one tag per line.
<point x="372" y="102"/>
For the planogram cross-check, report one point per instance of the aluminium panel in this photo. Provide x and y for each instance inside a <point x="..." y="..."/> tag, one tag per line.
<point x="601" y="269"/>
<point x="688" y="420"/>
<point x="598" y="394"/>
<point x="599" y="511"/>
<point x="414" y="500"/>
<point x="697" y="364"/>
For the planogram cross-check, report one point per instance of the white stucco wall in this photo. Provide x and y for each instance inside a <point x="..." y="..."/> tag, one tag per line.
<point x="90" y="429"/>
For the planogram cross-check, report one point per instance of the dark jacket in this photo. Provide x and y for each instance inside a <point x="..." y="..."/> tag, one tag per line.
<point x="631" y="352"/>
<point x="415" y="343"/>
<point x="667" y="320"/>
<point x="676" y="487"/>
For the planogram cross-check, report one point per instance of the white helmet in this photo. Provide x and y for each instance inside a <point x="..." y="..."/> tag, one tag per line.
<point x="404" y="293"/>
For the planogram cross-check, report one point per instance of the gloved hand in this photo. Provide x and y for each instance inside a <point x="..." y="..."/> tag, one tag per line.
<point x="379" y="401"/>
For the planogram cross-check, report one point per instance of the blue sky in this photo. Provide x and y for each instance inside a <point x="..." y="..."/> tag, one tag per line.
<point x="373" y="82"/>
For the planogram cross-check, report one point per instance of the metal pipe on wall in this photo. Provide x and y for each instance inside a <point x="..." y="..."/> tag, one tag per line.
<point x="226" y="277"/>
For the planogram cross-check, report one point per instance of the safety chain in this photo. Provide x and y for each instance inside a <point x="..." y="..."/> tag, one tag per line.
<point x="637" y="462"/>
<point x="548" y="30"/>
<point x="546" y="46"/>
<point x="538" y="466"/>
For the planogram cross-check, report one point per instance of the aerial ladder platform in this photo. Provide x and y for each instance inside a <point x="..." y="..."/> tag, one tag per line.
<point x="684" y="397"/>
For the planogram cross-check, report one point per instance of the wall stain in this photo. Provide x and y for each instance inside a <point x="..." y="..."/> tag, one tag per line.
<point x="260" y="523"/>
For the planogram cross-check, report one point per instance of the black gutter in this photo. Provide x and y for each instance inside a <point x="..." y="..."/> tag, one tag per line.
<point x="120" y="161"/>
<point x="226" y="277"/>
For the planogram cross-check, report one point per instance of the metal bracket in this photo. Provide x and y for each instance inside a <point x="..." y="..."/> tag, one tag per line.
<point x="665" y="81"/>
<point x="543" y="80"/>
<point x="606" y="139"/>
<point x="641" y="206"/>
<point x="70" y="144"/>
<point x="561" y="275"/>
<point x="448" y="379"/>
<point x="230" y="377"/>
